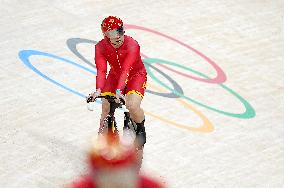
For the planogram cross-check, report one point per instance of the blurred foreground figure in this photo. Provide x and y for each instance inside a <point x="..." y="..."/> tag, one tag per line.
<point x="114" y="164"/>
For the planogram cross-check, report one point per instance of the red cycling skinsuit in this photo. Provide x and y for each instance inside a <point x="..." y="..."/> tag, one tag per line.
<point x="127" y="71"/>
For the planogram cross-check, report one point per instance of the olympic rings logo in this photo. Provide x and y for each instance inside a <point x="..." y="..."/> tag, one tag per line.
<point x="176" y="90"/>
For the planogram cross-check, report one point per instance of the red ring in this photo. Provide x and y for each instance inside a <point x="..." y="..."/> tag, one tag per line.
<point x="220" y="78"/>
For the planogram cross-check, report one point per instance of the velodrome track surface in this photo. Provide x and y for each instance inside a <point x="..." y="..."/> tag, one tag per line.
<point x="215" y="99"/>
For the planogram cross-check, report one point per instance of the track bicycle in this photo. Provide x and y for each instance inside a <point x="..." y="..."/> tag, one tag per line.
<point x="110" y="126"/>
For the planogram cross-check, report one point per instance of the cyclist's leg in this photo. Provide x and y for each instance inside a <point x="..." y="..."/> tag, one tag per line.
<point x="105" y="111"/>
<point x="134" y="94"/>
<point x="108" y="89"/>
<point x="133" y="104"/>
<point x="135" y="90"/>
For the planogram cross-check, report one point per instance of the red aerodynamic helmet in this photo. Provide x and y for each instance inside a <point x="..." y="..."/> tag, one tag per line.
<point x="111" y="23"/>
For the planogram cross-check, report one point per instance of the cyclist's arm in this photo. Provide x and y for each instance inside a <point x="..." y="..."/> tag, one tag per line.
<point x="101" y="65"/>
<point x="133" y="54"/>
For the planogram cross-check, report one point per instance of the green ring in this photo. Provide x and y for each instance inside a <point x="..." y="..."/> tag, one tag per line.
<point x="249" y="113"/>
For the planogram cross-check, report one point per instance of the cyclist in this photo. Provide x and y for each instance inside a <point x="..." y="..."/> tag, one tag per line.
<point x="113" y="164"/>
<point x="127" y="75"/>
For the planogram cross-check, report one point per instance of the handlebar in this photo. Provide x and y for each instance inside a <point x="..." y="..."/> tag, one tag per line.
<point x="110" y="99"/>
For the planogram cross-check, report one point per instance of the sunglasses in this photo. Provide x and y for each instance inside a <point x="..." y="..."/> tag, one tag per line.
<point x="115" y="33"/>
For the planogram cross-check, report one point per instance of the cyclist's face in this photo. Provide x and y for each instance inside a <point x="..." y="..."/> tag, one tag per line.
<point x="116" y="37"/>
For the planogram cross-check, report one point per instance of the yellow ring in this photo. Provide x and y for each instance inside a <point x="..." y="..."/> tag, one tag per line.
<point x="206" y="127"/>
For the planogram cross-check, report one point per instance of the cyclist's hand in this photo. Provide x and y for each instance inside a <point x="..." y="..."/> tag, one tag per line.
<point x="119" y="95"/>
<point x="93" y="96"/>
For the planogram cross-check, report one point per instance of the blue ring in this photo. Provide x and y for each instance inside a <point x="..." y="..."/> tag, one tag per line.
<point x="24" y="55"/>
